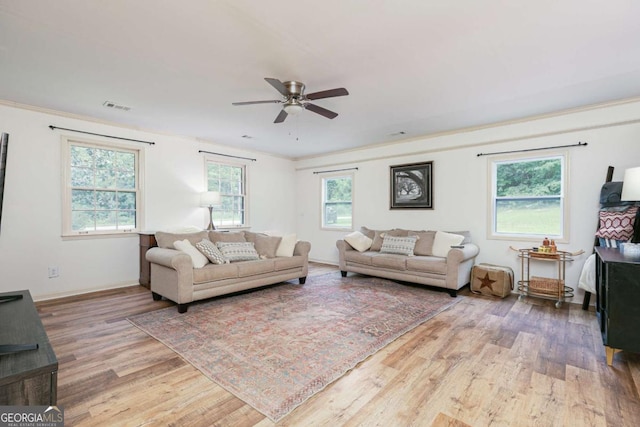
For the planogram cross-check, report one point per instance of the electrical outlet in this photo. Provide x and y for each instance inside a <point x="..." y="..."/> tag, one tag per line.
<point x="53" y="272"/>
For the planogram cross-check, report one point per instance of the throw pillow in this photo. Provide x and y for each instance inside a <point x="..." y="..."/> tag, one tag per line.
<point x="287" y="245"/>
<point x="211" y="251"/>
<point x="398" y="245"/>
<point x="443" y="242"/>
<point x="424" y="245"/>
<point x="616" y="224"/>
<point x="197" y="259"/>
<point x="358" y="241"/>
<point x="238" y="251"/>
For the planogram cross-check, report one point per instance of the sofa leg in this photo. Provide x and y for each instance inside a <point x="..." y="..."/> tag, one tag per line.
<point x="182" y="308"/>
<point x="453" y="293"/>
<point x="343" y="273"/>
<point x="302" y="280"/>
<point x="156" y="297"/>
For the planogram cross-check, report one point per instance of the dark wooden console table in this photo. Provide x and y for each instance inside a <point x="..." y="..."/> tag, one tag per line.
<point x="28" y="365"/>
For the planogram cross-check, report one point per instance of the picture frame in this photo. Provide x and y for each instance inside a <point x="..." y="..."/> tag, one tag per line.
<point x="411" y="186"/>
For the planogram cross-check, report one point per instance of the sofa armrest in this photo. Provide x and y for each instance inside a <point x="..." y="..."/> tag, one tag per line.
<point x="459" y="264"/>
<point x="302" y="248"/>
<point x="457" y="255"/>
<point x="343" y="247"/>
<point x="170" y="258"/>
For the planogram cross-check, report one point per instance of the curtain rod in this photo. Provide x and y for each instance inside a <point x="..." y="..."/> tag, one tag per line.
<point x="579" y="144"/>
<point x="335" y="170"/>
<point x="227" y="155"/>
<point x="100" y="134"/>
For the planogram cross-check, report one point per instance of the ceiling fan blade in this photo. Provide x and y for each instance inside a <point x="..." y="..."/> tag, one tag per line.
<point x="328" y="93"/>
<point x="280" y="87"/>
<point x="322" y="111"/>
<point x="274" y="101"/>
<point x="283" y="115"/>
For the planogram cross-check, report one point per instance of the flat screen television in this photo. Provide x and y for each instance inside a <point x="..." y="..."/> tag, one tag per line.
<point x="4" y="145"/>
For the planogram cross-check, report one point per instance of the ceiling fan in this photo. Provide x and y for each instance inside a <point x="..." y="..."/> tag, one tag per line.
<point x="295" y="100"/>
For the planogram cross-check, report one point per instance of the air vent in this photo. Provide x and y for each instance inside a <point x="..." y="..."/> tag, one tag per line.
<point x="115" y="106"/>
<point x="247" y="136"/>
<point x="398" y="133"/>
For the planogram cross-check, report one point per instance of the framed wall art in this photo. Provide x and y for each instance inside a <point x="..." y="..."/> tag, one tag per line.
<point x="412" y="186"/>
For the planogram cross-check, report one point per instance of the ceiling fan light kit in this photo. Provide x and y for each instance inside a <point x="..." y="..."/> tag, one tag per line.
<point x="295" y="99"/>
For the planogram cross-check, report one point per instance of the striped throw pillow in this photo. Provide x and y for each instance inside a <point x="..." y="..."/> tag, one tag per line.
<point x="398" y="245"/>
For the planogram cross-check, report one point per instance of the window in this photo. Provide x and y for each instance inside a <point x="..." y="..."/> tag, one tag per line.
<point x="101" y="188"/>
<point x="230" y="181"/>
<point x="337" y="202"/>
<point x="528" y="198"/>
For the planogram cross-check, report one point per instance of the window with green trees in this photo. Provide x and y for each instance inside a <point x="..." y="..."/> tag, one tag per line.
<point x="102" y="189"/>
<point x="528" y="197"/>
<point x="337" y="202"/>
<point x="230" y="181"/>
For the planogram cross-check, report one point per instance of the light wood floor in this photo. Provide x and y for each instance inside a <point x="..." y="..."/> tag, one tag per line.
<point x="483" y="362"/>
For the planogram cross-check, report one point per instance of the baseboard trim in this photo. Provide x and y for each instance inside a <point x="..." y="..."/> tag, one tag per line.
<point x="59" y="295"/>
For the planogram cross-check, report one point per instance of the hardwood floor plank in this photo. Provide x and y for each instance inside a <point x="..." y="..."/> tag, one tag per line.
<point x="485" y="361"/>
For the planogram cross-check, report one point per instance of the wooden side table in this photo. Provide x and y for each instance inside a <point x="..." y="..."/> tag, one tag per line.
<point x="147" y="241"/>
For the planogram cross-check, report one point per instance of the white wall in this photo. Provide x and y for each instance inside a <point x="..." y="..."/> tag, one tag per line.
<point x="30" y="235"/>
<point x="461" y="190"/>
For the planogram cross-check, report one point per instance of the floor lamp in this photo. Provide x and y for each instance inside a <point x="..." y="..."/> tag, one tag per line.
<point x="209" y="199"/>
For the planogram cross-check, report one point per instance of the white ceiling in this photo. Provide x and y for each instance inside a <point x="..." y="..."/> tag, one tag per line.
<point x="414" y="66"/>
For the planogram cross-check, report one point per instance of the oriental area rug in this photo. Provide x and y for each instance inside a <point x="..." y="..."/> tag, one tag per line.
<point x="276" y="347"/>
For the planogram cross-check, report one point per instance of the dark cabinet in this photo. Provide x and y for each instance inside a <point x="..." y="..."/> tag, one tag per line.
<point x="147" y="241"/>
<point x="28" y="365"/>
<point x="618" y="303"/>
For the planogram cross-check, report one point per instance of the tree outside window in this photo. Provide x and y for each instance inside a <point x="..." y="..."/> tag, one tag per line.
<point x="230" y="181"/>
<point x="528" y="197"/>
<point x="337" y="202"/>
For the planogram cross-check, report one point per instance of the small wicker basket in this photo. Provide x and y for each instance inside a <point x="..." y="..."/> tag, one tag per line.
<point x="545" y="285"/>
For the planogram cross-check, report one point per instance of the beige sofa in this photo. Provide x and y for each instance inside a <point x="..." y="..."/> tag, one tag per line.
<point x="451" y="271"/>
<point x="174" y="276"/>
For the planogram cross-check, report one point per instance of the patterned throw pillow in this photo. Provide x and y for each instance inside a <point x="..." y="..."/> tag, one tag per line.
<point x="211" y="251"/>
<point x="398" y="245"/>
<point x="617" y="225"/>
<point x="238" y="251"/>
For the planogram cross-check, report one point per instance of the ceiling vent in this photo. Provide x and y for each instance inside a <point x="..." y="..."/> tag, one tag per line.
<point x="115" y="106"/>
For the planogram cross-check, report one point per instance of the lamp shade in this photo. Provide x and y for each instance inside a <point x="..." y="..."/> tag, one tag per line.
<point x="209" y="198"/>
<point x="631" y="185"/>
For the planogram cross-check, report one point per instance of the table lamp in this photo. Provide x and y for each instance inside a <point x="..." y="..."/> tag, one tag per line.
<point x="209" y="199"/>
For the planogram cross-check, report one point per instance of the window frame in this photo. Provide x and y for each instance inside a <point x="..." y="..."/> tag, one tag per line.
<point x="323" y="180"/>
<point x="67" y="142"/>
<point x="245" y="193"/>
<point x="492" y="166"/>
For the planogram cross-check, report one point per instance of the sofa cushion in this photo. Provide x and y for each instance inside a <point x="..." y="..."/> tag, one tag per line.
<point x="266" y="246"/>
<point x="424" y="245"/>
<point x="368" y="232"/>
<point x="211" y="251"/>
<point x="443" y="241"/>
<point x="358" y="241"/>
<point x="197" y="259"/>
<point x="398" y="245"/>
<point x="213" y="272"/>
<point x="252" y="268"/>
<point x="427" y="264"/>
<point x="359" y="257"/>
<point x="393" y="261"/>
<point x="238" y="251"/>
<point x="165" y="240"/>
<point x="220" y="236"/>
